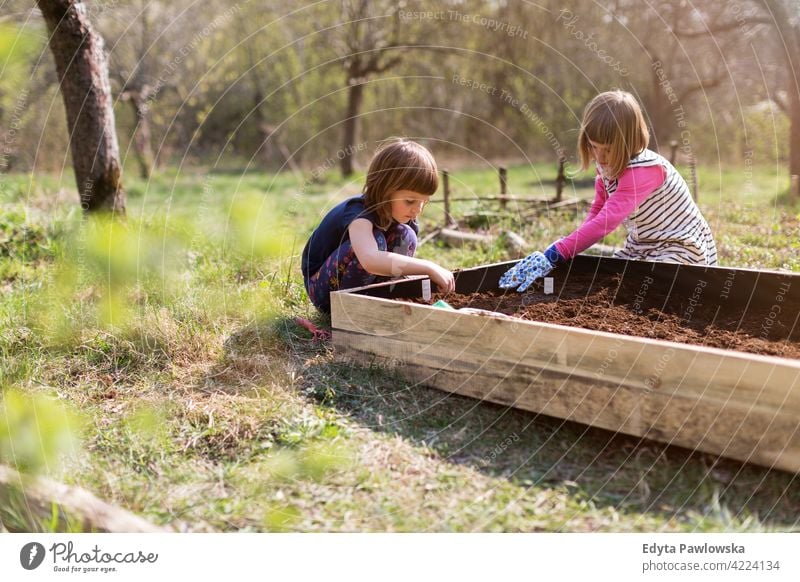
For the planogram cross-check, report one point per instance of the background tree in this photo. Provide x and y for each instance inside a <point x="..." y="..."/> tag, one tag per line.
<point x="785" y="16"/>
<point x="782" y="18"/>
<point x="299" y="85"/>
<point x="269" y="54"/>
<point x="369" y="41"/>
<point x="134" y="62"/>
<point x="83" y="76"/>
<point x="680" y="67"/>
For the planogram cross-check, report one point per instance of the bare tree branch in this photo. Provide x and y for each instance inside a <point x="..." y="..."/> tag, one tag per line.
<point x="720" y="28"/>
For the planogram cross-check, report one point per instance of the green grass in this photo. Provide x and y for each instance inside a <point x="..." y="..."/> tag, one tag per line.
<point x="206" y="408"/>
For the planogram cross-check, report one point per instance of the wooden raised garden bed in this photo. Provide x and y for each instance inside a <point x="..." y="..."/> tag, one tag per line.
<point x="653" y="375"/>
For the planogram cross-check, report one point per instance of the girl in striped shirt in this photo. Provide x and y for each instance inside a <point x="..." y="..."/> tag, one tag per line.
<point x="635" y="187"/>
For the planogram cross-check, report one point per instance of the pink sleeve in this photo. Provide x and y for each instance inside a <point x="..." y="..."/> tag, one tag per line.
<point x="633" y="187"/>
<point x="600" y="198"/>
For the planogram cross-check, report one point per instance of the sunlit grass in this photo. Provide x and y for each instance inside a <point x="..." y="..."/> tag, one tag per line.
<point x="204" y="407"/>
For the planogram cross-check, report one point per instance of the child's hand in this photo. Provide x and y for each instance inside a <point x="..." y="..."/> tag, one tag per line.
<point x="443" y="278"/>
<point x="524" y="273"/>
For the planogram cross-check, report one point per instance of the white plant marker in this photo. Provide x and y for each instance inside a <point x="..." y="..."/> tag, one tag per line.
<point x="548" y="285"/>
<point x="426" y="289"/>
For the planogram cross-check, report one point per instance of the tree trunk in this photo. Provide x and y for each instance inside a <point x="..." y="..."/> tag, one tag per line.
<point x="355" y="96"/>
<point x="265" y="129"/>
<point x="658" y="111"/>
<point x="83" y="75"/>
<point x="142" y="145"/>
<point x="784" y="15"/>
<point x="794" y="128"/>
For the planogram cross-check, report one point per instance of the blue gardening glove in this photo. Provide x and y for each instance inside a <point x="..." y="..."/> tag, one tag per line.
<point x="532" y="267"/>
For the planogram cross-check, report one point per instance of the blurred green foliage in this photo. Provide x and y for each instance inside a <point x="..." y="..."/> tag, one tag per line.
<point x="37" y="433"/>
<point x="17" y="47"/>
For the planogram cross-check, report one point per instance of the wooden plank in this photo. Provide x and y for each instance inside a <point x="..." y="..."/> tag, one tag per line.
<point x="759" y="294"/>
<point x="739" y="405"/>
<point x="643" y="363"/>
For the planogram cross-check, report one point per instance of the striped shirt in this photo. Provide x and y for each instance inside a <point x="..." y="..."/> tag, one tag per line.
<point x="653" y="202"/>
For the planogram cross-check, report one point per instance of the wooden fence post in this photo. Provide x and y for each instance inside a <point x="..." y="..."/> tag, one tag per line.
<point x="561" y="178"/>
<point x="448" y="219"/>
<point x="503" y="187"/>
<point x="673" y="151"/>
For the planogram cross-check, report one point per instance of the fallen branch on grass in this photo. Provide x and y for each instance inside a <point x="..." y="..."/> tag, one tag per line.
<point x="34" y="501"/>
<point x="456" y="238"/>
<point x="515" y="243"/>
<point x="428" y="237"/>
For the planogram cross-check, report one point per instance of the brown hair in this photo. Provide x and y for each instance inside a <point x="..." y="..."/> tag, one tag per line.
<point x="399" y="164"/>
<point x="613" y="118"/>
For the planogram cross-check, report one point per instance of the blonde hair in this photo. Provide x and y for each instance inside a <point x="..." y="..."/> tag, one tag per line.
<point x="399" y="164"/>
<point x="613" y="118"/>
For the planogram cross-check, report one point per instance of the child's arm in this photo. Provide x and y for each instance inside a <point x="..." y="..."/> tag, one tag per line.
<point x="633" y="188"/>
<point x="600" y="197"/>
<point x="386" y="263"/>
<point x="606" y="214"/>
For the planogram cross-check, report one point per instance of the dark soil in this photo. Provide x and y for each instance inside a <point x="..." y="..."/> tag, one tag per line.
<point x="604" y="304"/>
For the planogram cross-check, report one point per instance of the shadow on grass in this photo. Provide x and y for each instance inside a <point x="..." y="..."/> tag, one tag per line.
<point x="598" y="467"/>
<point x="531" y="450"/>
<point x="255" y="353"/>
